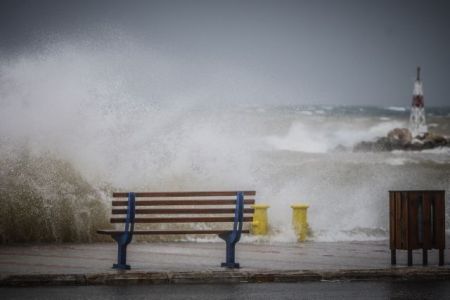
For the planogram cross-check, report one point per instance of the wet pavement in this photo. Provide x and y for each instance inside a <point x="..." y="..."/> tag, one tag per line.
<point x="197" y="261"/>
<point x="304" y="290"/>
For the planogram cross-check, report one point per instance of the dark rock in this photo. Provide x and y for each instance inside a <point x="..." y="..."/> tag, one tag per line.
<point x="400" y="136"/>
<point x="402" y="139"/>
<point x="416" y="146"/>
<point x="382" y="144"/>
<point x="435" y="140"/>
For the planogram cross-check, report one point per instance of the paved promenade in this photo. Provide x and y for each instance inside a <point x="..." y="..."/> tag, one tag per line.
<point x="200" y="262"/>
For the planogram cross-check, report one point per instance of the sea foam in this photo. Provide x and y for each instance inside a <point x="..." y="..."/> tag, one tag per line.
<point x="79" y="121"/>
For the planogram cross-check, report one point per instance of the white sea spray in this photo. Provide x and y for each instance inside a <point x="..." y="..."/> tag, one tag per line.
<point x="77" y="122"/>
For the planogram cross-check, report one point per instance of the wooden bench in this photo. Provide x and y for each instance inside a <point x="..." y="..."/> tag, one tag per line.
<point x="192" y="210"/>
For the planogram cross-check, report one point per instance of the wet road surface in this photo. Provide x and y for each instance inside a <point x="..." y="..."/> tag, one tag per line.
<point x="304" y="290"/>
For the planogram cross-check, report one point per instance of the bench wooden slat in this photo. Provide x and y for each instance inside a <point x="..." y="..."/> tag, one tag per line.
<point x="183" y="207"/>
<point x="184" y="194"/>
<point x="181" y="220"/>
<point x="123" y="211"/>
<point x="181" y="202"/>
<point x="106" y="231"/>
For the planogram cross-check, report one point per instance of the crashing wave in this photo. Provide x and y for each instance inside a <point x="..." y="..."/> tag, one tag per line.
<point x="46" y="200"/>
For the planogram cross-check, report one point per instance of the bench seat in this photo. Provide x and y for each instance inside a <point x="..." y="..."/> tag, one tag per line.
<point x="187" y="209"/>
<point x="109" y="232"/>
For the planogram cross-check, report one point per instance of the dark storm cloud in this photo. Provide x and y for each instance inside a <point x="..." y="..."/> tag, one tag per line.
<point x="338" y="52"/>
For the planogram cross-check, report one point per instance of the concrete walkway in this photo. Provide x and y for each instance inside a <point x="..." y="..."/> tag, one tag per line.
<point x="200" y="262"/>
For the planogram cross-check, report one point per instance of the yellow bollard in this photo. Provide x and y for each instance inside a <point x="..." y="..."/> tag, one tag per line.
<point x="300" y="221"/>
<point x="260" y="224"/>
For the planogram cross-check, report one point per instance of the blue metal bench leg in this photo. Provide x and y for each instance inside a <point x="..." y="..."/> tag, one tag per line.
<point x="232" y="237"/>
<point x="121" y="258"/>
<point x="230" y="257"/>
<point x="123" y="239"/>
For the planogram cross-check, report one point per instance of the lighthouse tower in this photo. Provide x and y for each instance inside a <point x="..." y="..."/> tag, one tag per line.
<point x="417" y="123"/>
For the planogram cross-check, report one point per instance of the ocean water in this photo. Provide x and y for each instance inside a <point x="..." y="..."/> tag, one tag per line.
<point x="72" y="131"/>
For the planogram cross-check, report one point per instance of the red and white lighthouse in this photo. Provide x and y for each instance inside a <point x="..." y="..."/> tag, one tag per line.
<point x="417" y="121"/>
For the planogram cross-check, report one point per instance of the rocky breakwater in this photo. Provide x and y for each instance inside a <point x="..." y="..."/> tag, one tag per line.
<point x="402" y="139"/>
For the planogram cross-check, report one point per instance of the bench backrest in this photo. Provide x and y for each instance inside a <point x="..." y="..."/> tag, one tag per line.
<point x="182" y="207"/>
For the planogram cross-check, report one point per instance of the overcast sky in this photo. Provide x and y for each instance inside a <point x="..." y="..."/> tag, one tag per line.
<point x="299" y="52"/>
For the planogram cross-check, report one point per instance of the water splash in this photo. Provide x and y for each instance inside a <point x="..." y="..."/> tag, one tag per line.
<point x="78" y="121"/>
<point x="44" y="199"/>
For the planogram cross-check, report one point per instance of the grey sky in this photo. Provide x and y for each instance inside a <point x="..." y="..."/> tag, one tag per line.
<point x="305" y="52"/>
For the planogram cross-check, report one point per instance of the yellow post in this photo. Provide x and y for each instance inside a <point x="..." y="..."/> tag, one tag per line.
<point x="300" y="220"/>
<point x="260" y="224"/>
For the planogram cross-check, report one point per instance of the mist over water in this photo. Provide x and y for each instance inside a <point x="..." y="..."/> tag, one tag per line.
<point x="78" y="121"/>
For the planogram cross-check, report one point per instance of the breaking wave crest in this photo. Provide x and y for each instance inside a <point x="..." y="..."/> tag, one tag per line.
<point x="45" y="199"/>
<point x="80" y="121"/>
<point x="326" y="137"/>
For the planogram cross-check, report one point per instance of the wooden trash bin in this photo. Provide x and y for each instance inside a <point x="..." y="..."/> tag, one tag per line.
<point x="417" y="221"/>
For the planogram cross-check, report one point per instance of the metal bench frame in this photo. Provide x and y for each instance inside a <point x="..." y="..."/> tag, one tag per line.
<point x="231" y="238"/>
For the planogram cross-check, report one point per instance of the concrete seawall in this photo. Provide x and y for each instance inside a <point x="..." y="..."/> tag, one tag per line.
<point x="202" y="277"/>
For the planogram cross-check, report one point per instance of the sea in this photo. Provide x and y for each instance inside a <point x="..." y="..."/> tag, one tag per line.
<point x="59" y="163"/>
<point x="80" y="120"/>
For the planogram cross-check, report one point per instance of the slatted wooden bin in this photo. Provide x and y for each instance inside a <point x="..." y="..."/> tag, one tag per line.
<point x="225" y="213"/>
<point x="417" y="221"/>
